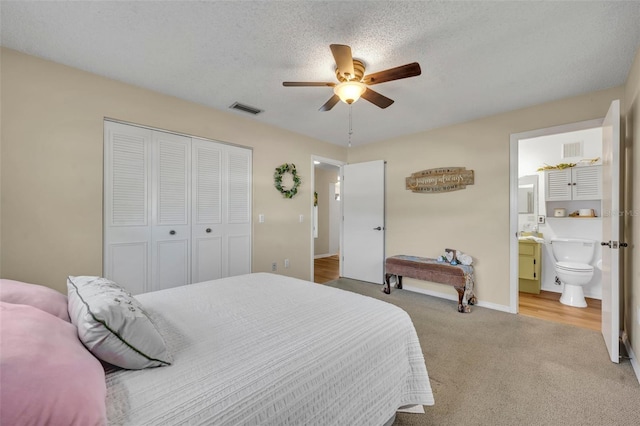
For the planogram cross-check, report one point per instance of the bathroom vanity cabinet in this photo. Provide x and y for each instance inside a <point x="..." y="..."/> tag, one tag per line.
<point x="530" y="266"/>
<point x="574" y="183"/>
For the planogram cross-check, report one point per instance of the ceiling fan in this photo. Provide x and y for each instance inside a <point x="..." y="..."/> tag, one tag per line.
<point x="353" y="84"/>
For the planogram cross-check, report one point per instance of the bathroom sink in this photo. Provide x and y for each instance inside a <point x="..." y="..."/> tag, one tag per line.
<point x="537" y="239"/>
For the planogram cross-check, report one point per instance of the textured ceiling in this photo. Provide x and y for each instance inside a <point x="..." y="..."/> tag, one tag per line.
<point x="478" y="58"/>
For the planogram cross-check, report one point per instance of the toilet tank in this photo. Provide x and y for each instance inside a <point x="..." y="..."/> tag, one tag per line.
<point x="578" y="250"/>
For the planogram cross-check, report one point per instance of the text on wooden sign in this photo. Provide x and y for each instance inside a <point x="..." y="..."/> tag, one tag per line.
<point x="442" y="179"/>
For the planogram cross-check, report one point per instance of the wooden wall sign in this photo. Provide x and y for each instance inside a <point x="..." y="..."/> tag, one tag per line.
<point x="443" y="179"/>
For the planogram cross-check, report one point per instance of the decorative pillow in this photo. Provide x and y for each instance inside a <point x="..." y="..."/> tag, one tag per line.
<point x="114" y="325"/>
<point x="38" y="296"/>
<point x="48" y="377"/>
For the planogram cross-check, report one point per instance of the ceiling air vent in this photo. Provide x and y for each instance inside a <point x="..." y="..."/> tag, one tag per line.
<point x="572" y="149"/>
<point x="246" y="108"/>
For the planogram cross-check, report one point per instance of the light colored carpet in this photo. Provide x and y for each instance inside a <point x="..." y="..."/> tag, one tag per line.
<point x="495" y="368"/>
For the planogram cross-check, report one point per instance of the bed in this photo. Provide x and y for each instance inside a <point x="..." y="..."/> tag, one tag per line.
<point x="267" y="349"/>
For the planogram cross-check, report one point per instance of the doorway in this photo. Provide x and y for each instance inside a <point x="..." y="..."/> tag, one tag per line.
<point x="532" y="215"/>
<point x="326" y="214"/>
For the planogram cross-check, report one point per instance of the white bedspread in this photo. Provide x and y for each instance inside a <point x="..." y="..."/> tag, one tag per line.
<point x="263" y="349"/>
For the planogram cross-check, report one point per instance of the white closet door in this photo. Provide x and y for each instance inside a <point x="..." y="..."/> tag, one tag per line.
<point x="171" y="200"/>
<point x="127" y="165"/>
<point x="177" y="210"/>
<point x="207" y="228"/>
<point x="237" y="216"/>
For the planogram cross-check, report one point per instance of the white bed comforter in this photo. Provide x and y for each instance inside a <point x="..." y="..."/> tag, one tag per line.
<point x="263" y="349"/>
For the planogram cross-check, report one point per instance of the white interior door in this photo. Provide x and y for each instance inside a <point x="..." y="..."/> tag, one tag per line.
<point x="127" y="228"/>
<point x="611" y="230"/>
<point x="207" y="229"/>
<point x="237" y="214"/>
<point x="171" y="202"/>
<point x="362" y="195"/>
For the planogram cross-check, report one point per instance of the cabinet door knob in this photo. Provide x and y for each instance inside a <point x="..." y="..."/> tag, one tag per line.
<point x="172" y="232"/>
<point x="208" y="230"/>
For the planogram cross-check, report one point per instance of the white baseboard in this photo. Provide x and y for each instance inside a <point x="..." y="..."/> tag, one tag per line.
<point x="632" y="356"/>
<point x="448" y="296"/>
<point x="320" y="256"/>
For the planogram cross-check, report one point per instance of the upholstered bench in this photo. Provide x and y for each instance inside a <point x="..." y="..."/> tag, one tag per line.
<point x="427" y="269"/>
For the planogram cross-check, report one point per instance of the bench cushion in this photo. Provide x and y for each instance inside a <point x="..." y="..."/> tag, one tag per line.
<point x="427" y="269"/>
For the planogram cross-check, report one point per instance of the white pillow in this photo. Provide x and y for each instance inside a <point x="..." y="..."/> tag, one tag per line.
<point x="113" y="325"/>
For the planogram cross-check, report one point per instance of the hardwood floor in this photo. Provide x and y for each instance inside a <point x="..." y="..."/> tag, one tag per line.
<point x="547" y="306"/>
<point x="326" y="269"/>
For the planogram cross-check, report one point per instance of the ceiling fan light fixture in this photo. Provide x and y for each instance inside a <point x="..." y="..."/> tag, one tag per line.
<point x="349" y="91"/>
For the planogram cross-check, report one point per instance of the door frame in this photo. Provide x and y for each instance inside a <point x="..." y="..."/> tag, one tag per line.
<point x="513" y="194"/>
<point x="333" y="162"/>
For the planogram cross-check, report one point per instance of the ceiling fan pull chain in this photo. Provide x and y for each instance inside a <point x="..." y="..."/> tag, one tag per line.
<point x="350" y="124"/>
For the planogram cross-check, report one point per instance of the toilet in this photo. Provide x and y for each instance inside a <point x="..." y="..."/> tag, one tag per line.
<point x="572" y="267"/>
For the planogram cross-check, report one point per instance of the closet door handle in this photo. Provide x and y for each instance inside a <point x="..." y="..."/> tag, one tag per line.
<point x="172" y="232"/>
<point x="379" y="228"/>
<point x="208" y="231"/>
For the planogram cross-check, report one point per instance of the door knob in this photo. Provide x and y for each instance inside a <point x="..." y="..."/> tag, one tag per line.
<point x="378" y="228"/>
<point x="208" y="230"/>
<point x="172" y="232"/>
<point x="605" y="243"/>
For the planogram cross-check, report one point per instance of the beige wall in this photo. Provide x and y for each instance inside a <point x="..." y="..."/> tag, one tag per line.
<point x="474" y="220"/>
<point x="52" y="157"/>
<point x="631" y="108"/>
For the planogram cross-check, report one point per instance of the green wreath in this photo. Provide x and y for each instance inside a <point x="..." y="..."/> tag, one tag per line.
<point x="277" y="178"/>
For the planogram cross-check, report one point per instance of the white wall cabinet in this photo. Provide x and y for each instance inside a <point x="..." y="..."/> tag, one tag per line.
<point x="575" y="183"/>
<point x="177" y="210"/>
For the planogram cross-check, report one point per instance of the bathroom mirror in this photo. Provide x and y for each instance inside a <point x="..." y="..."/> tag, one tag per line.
<point x="528" y="194"/>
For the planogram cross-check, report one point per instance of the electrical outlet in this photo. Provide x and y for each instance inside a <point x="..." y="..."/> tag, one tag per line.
<point x="541" y="219"/>
<point x="274" y="266"/>
<point x="286" y="263"/>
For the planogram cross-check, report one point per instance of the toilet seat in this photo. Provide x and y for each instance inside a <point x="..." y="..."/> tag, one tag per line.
<point x="574" y="267"/>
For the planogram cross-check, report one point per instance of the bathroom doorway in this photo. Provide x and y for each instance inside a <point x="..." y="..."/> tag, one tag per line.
<point x="534" y="218"/>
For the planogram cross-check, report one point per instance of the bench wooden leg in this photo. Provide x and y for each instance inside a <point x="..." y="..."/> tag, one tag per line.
<point x="463" y="308"/>
<point x="386" y="288"/>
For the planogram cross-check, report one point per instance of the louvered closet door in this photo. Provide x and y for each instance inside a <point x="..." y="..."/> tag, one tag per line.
<point x="127" y="166"/>
<point x="237" y="214"/>
<point x="177" y="209"/>
<point x="171" y="212"/>
<point x="207" y="227"/>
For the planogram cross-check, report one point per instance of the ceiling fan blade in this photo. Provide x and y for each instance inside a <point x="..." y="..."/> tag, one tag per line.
<point x="306" y="84"/>
<point x="376" y="98"/>
<point x="331" y="103"/>
<point x="344" y="60"/>
<point x="397" y="73"/>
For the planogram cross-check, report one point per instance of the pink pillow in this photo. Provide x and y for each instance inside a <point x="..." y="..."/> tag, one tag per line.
<point x="48" y="376"/>
<point x="38" y="296"/>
